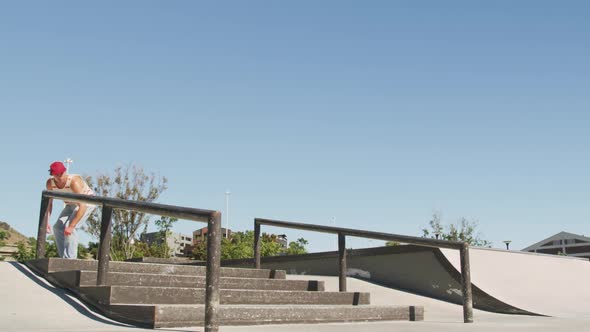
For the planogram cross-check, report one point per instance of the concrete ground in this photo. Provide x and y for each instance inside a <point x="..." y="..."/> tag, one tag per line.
<point x="28" y="303"/>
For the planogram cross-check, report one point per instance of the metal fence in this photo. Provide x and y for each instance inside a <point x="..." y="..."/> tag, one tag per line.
<point x="463" y="248"/>
<point x="212" y="218"/>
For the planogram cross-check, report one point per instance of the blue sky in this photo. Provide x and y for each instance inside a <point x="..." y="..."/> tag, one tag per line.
<point x="376" y="113"/>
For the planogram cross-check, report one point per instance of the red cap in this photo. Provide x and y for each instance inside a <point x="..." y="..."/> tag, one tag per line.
<point x="57" y="168"/>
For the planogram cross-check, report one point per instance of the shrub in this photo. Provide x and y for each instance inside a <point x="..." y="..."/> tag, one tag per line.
<point x="23" y="252"/>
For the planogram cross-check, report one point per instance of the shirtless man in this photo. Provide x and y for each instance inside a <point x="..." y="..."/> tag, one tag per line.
<point x="73" y="213"/>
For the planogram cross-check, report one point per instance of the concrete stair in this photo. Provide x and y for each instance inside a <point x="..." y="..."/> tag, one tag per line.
<point x="79" y="278"/>
<point x="170" y="315"/>
<point x="161" y="295"/>
<point x="59" y="264"/>
<point x="176" y="295"/>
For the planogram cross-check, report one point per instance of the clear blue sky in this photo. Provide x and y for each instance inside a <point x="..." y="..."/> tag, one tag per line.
<point x="376" y="113"/>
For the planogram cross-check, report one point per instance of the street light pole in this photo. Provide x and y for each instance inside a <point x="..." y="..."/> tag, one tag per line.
<point x="507" y="244"/>
<point x="227" y="193"/>
<point x="68" y="162"/>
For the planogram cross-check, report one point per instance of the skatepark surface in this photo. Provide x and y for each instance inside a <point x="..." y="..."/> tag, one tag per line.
<point x="29" y="303"/>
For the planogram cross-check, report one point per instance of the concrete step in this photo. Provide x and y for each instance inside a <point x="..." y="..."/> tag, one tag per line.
<point x="171" y="316"/>
<point x="108" y="295"/>
<point x="75" y="279"/>
<point x="247" y="296"/>
<point x="48" y="265"/>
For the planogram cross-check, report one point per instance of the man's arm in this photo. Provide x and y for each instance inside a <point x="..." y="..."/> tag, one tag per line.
<point x="77" y="186"/>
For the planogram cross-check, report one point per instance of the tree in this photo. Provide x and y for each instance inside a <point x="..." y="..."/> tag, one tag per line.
<point x="464" y="230"/>
<point x="164" y="225"/>
<point x="297" y="247"/>
<point x="83" y="252"/>
<point x="269" y="245"/>
<point x="200" y="250"/>
<point x="23" y="253"/>
<point x="93" y="249"/>
<point x="241" y="245"/>
<point x="3" y="236"/>
<point x="50" y="246"/>
<point x="131" y="183"/>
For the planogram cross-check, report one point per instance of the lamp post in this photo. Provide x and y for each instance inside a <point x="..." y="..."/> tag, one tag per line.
<point x="227" y="193"/>
<point x="507" y="244"/>
<point x="68" y="162"/>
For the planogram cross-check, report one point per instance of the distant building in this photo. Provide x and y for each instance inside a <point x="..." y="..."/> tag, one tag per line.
<point x="200" y="235"/>
<point x="178" y="243"/>
<point x="563" y="243"/>
<point x="282" y="240"/>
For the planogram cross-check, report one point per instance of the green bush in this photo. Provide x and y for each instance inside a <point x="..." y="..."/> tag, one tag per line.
<point x="23" y="253"/>
<point x="241" y="245"/>
<point x="50" y="250"/>
<point x="93" y="249"/>
<point x="159" y="250"/>
<point x="83" y="252"/>
<point x="3" y="236"/>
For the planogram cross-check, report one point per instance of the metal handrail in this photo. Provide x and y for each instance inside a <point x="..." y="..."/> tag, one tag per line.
<point x="211" y="217"/>
<point x="365" y="234"/>
<point x="463" y="248"/>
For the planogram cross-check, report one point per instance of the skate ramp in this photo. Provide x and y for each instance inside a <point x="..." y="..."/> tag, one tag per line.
<point x="502" y="281"/>
<point x="545" y="284"/>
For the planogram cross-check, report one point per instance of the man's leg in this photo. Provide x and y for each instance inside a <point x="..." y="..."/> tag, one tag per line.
<point x="71" y="246"/>
<point x="59" y="227"/>
<point x="58" y="233"/>
<point x="71" y="242"/>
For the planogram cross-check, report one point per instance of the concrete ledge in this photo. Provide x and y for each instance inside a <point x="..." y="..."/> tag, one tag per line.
<point x="174" y="260"/>
<point x="177" y="316"/>
<point x="108" y="295"/>
<point x="48" y="265"/>
<point x="75" y="279"/>
<point x="171" y="316"/>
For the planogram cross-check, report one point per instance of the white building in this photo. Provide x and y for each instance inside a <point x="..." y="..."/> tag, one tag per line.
<point x="177" y="242"/>
<point x="563" y="243"/>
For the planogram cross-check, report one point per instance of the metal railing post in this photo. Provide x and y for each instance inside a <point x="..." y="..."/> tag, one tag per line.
<point x="42" y="231"/>
<point x="104" y="246"/>
<point x="213" y="272"/>
<point x="256" y="245"/>
<point x="342" y="262"/>
<point x="466" y="284"/>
